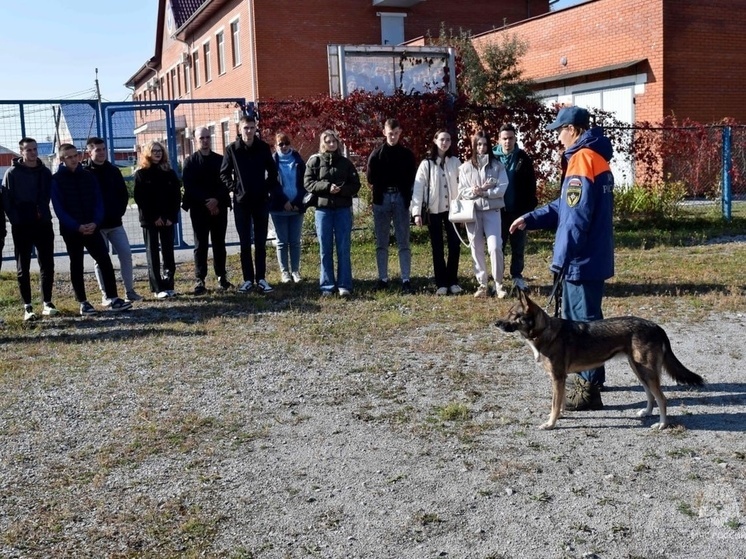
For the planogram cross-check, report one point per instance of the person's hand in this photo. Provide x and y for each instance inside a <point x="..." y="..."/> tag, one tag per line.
<point x="212" y="206"/>
<point x="159" y="222"/>
<point x="168" y="222"/>
<point x="288" y="206"/>
<point x="335" y="189"/>
<point x="519" y="223"/>
<point x="87" y="228"/>
<point x="418" y="220"/>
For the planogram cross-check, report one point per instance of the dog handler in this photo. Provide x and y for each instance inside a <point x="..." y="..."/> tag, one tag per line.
<point x="584" y="239"/>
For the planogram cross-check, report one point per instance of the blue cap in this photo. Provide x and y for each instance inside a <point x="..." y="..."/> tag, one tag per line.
<point x="577" y="116"/>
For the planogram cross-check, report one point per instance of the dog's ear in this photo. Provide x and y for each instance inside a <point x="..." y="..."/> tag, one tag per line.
<point x="524" y="299"/>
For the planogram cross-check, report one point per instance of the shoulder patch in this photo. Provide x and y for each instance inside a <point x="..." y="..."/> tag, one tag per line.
<point x="574" y="191"/>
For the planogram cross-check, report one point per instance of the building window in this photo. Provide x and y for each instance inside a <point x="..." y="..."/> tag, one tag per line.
<point x="236" y="44"/>
<point x="169" y="86"/>
<point x="187" y="78"/>
<point x="211" y="128"/>
<point x="195" y="63"/>
<point x="175" y="85"/>
<point x="225" y="129"/>
<point x="220" y="38"/>
<point x="208" y="62"/>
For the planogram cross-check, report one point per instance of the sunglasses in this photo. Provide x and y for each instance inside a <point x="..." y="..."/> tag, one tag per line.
<point x="283" y="144"/>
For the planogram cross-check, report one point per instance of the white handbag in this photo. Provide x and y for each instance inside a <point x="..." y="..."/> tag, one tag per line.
<point x="462" y="211"/>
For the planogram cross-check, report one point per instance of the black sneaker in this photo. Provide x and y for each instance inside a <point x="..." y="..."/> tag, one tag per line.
<point x="118" y="304"/>
<point x="86" y="309"/>
<point x="199" y="288"/>
<point x="224" y="284"/>
<point x="406" y="288"/>
<point x="382" y="285"/>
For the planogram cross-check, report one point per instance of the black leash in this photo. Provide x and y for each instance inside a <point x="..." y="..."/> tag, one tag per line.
<point x="556" y="294"/>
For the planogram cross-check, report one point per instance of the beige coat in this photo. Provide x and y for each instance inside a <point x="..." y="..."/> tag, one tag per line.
<point x="435" y="185"/>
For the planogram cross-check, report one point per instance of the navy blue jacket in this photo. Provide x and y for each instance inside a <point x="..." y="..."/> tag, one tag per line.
<point x="76" y="197"/>
<point x="583" y="214"/>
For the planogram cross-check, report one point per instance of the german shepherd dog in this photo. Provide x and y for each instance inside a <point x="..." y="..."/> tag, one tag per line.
<point x="564" y="347"/>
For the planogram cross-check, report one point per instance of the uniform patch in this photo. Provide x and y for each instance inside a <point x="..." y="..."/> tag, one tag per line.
<point x="574" y="190"/>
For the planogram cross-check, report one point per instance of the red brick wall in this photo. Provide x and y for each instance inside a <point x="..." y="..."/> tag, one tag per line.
<point x="705" y="46"/>
<point x="292" y="36"/>
<point x="594" y="35"/>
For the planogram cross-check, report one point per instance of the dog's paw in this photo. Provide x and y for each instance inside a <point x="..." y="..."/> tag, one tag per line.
<point x="644" y="413"/>
<point x="659" y="426"/>
<point x="546" y="426"/>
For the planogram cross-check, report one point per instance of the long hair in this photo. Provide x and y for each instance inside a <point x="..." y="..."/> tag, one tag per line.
<point x="333" y="134"/>
<point x="479" y="135"/>
<point x="146" y="157"/>
<point x="433" y="153"/>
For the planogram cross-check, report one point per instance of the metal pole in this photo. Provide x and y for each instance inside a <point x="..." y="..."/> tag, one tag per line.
<point x="727" y="166"/>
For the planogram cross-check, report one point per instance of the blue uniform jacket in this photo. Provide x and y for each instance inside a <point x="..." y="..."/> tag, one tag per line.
<point x="583" y="213"/>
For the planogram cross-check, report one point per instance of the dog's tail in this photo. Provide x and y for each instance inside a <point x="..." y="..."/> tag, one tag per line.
<point x="676" y="369"/>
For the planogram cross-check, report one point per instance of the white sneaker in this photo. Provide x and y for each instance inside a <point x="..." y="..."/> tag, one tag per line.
<point x="296" y="277"/>
<point x="442" y="291"/>
<point x="500" y="292"/>
<point x="49" y="309"/>
<point x="520" y="284"/>
<point x="481" y="291"/>
<point x="263" y="286"/>
<point x="105" y="301"/>
<point x="344" y="292"/>
<point x="162" y="295"/>
<point x="286" y="277"/>
<point x="455" y="290"/>
<point x="28" y="313"/>
<point x="245" y="287"/>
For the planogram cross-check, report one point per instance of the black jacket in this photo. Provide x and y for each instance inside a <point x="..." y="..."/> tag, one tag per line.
<point x="249" y="172"/>
<point x="26" y="194"/>
<point x="113" y="192"/>
<point x="202" y="181"/>
<point x="157" y="194"/>
<point x="391" y="166"/>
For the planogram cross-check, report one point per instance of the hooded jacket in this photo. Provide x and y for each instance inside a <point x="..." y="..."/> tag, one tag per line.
<point x="113" y="192"/>
<point x="583" y="214"/>
<point x="76" y="197"/>
<point x="26" y="194"/>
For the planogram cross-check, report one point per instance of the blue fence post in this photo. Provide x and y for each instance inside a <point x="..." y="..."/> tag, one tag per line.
<point x="727" y="168"/>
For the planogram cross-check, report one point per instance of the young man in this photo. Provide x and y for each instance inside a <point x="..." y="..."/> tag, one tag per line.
<point x="77" y="201"/>
<point x="249" y="172"/>
<point x="115" y="199"/>
<point x="391" y="172"/>
<point x="520" y="198"/>
<point x="26" y="194"/>
<point x="584" y="241"/>
<point x="207" y="200"/>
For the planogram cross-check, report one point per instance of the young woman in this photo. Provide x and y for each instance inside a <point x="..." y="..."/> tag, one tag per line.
<point x="335" y="181"/>
<point x="435" y="185"/>
<point x="286" y="207"/>
<point x="484" y="180"/>
<point x="158" y="197"/>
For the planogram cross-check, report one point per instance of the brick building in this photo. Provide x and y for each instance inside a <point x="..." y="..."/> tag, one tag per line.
<point x="261" y="49"/>
<point x="643" y="59"/>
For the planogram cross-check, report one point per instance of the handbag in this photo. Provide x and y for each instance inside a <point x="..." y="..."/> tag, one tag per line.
<point x="310" y="200"/>
<point x="462" y="211"/>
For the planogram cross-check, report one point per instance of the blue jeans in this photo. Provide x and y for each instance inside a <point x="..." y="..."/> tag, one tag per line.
<point x="288" y="228"/>
<point x="581" y="301"/>
<point x="334" y="229"/>
<point x="393" y="208"/>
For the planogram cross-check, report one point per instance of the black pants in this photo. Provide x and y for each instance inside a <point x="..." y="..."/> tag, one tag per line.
<point x="96" y="246"/>
<point x="25" y="238"/>
<point x="446" y="270"/>
<point x="252" y="222"/>
<point x="160" y="240"/>
<point x="208" y="226"/>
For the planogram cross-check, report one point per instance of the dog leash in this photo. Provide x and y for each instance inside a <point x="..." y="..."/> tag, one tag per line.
<point x="556" y="294"/>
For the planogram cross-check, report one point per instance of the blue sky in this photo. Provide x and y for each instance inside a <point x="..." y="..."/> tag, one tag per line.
<point x="53" y="47"/>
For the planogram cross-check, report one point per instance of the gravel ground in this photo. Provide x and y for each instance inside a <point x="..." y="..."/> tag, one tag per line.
<point x="359" y="446"/>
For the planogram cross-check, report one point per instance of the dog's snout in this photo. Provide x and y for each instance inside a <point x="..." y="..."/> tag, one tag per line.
<point x="505" y="326"/>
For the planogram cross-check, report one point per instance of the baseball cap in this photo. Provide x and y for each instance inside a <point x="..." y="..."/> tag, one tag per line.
<point x="577" y="116"/>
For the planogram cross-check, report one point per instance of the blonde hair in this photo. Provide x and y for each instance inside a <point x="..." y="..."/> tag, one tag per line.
<point x="146" y="157"/>
<point x="333" y="134"/>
